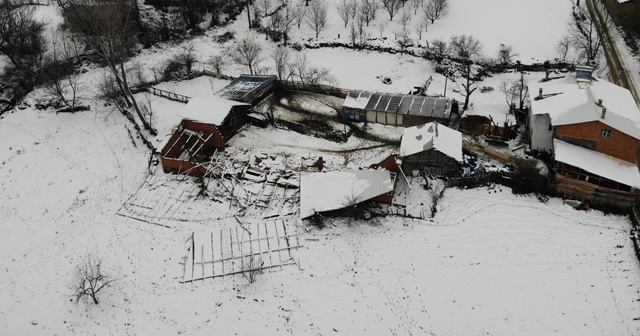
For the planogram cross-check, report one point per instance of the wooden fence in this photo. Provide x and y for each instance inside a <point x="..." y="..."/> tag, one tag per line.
<point x="168" y="95"/>
<point x="316" y="88"/>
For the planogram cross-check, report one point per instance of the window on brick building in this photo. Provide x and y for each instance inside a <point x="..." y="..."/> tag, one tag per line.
<point x="605" y="132"/>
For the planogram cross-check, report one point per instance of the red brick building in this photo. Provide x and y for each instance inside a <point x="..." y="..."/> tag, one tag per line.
<point x="593" y="129"/>
<point x="208" y="122"/>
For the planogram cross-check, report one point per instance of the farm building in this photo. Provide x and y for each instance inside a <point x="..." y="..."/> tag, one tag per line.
<point x="327" y="191"/>
<point x="248" y="89"/>
<point x="191" y="144"/>
<point x="432" y="149"/>
<point x="593" y="129"/>
<point x="397" y="109"/>
<point x="208" y="122"/>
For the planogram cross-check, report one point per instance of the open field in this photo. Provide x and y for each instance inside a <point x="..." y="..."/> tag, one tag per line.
<point x="504" y="264"/>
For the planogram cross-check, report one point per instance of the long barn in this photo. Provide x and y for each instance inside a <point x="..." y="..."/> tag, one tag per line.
<point x="397" y="109"/>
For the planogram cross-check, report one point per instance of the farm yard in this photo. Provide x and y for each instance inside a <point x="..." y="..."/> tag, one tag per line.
<point x="228" y="253"/>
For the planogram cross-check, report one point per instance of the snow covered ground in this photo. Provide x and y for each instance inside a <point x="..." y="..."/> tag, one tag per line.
<point x="488" y="263"/>
<point x="501" y="263"/>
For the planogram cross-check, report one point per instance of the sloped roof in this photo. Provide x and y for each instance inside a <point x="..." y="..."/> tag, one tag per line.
<point x="431" y="136"/>
<point x="335" y="190"/>
<point x="242" y="86"/>
<point x="577" y="103"/>
<point x="208" y="109"/>
<point x="597" y="163"/>
<point x="437" y="107"/>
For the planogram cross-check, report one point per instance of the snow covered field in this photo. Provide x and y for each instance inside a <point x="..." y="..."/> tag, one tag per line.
<point x="489" y="262"/>
<point x="500" y="263"/>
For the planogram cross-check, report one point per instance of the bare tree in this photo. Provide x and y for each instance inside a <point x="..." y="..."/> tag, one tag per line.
<point x="136" y="71"/>
<point x="59" y="75"/>
<point x="344" y="11"/>
<point x="217" y="62"/>
<point x="187" y="58"/>
<point x="415" y="5"/>
<point x="310" y="74"/>
<point x="392" y="7"/>
<point x="419" y="28"/>
<point x="466" y="48"/>
<point x="286" y="19"/>
<point x="248" y="53"/>
<point x="368" y="10"/>
<point x="265" y="7"/>
<point x="362" y="33"/>
<point x="299" y="14"/>
<point x="585" y="34"/>
<point x="403" y="39"/>
<point x="436" y="9"/>
<point x="317" y="17"/>
<point x="301" y="66"/>
<point x="22" y="41"/>
<point x="282" y="60"/>
<point x="109" y="29"/>
<point x="353" y="34"/>
<point x="505" y="54"/>
<point x="381" y="27"/>
<point x="515" y="91"/>
<point x="405" y="17"/>
<point x="438" y="47"/>
<point x="251" y="267"/>
<point x="192" y="13"/>
<point x="88" y="280"/>
<point x="563" y="46"/>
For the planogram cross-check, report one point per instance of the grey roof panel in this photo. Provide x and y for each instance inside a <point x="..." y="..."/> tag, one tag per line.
<point x="440" y="108"/>
<point x="394" y="104"/>
<point x="382" y="104"/>
<point x="406" y="104"/>
<point x="416" y="107"/>
<point x="373" y="101"/>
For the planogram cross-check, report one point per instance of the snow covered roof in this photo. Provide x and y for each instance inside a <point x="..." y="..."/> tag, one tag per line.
<point x="399" y="103"/>
<point x="335" y="190"/>
<point x="578" y="103"/>
<point x="208" y="109"/>
<point x="357" y="99"/>
<point x="597" y="163"/>
<point x="431" y="136"/>
<point x="240" y="87"/>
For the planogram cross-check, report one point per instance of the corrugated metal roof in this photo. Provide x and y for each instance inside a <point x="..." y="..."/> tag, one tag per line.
<point x="373" y="101"/>
<point x="399" y="103"/>
<point x="242" y="86"/>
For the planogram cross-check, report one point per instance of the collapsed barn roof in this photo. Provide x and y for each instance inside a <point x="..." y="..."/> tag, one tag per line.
<point x="399" y="103"/>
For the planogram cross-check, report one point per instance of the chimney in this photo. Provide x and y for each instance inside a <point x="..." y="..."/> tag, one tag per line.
<point x="599" y="102"/>
<point x="604" y="112"/>
<point x="540" y="93"/>
<point x="546" y="75"/>
<point x="584" y="73"/>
